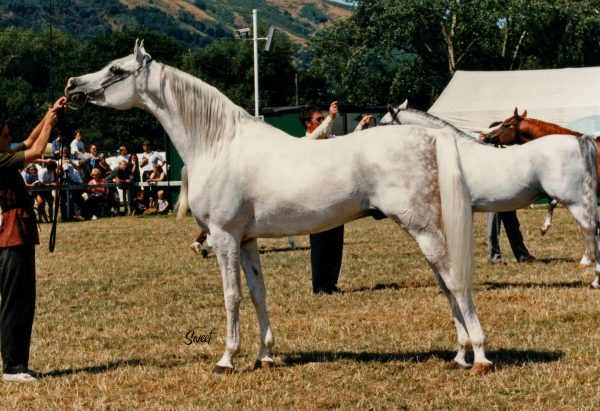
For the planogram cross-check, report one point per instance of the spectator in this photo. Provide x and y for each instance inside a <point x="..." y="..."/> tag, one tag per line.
<point x="58" y="146"/>
<point x="122" y="176"/>
<point x="148" y="159"/>
<point x="78" y="147"/>
<point x="103" y="166"/>
<point x="157" y="175"/>
<point x="95" y="204"/>
<point x="18" y="238"/>
<point x="93" y="159"/>
<point x="48" y="177"/>
<point x="139" y="204"/>
<point x="32" y="180"/>
<point x="123" y="155"/>
<point x="75" y="197"/>
<point x="160" y="206"/>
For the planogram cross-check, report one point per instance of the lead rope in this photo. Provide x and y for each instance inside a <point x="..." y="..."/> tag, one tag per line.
<point x="60" y="125"/>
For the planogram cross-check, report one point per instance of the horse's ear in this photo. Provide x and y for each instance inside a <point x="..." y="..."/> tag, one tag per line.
<point x="524" y="114"/>
<point x="141" y="56"/>
<point x="404" y="105"/>
<point x="390" y="109"/>
<point x="516" y="112"/>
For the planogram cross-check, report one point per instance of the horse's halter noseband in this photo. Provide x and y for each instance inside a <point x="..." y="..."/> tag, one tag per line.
<point x="73" y="101"/>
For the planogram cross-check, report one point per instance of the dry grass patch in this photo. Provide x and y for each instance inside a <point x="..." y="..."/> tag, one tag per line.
<point x="117" y="298"/>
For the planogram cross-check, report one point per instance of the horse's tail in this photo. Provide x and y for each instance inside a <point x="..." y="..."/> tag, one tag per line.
<point x="588" y="151"/>
<point x="457" y="214"/>
<point x="182" y="204"/>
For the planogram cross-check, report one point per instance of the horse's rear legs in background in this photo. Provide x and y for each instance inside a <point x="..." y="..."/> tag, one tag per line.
<point x="548" y="222"/>
<point x="201" y="248"/>
<point x="468" y="328"/>
<point x="588" y="225"/>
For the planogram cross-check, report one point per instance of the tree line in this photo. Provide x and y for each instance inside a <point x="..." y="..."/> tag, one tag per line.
<point x="386" y="51"/>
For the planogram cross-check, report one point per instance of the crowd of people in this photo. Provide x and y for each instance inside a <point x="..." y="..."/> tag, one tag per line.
<point x="90" y="172"/>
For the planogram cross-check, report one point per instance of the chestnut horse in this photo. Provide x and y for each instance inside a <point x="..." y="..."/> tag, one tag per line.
<point x="520" y="129"/>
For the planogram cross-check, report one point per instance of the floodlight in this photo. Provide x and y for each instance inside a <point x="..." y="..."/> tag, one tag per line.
<point x="269" y="38"/>
<point x="241" y="34"/>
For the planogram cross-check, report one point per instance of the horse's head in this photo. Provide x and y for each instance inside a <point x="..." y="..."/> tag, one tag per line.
<point x="391" y="117"/>
<point x="507" y="132"/>
<point x="115" y="85"/>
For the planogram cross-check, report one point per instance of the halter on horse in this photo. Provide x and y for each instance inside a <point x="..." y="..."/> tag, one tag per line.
<point x="555" y="161"/>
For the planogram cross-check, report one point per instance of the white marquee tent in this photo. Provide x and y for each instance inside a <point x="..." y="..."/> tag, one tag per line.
<point x="474" y="99"/>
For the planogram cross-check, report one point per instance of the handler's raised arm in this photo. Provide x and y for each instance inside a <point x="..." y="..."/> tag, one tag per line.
<point x="38" y="139"/>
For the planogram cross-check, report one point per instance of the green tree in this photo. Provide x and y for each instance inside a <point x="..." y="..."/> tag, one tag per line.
<point x="228" y="66"/>
<point x="392" y="49"/>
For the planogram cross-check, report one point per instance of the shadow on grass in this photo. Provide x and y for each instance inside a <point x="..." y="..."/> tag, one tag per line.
<point x="562" y="284"/>
<point x="114" y="365"/>
<point x="389" y="286"/>
<point x="500" y="358"/>
<point x="268" y="250"/>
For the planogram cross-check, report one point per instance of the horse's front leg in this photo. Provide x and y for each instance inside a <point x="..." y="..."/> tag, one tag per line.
<point x="256" y="285"/>
<point x="548" y="221"/>
<point x="228" y="254"/>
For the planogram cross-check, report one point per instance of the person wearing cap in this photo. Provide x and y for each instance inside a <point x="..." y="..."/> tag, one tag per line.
<point x="326" y="248"/>
<point x="18" y="238"/>
<point x="148" y="159"/>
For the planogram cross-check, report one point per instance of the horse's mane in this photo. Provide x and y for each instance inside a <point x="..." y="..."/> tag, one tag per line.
<point x="205" y="112"/>
<point x="412" y="116"/>
<point x="551" y="128"/>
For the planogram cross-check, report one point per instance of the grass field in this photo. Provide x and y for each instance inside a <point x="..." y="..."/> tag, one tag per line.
<point x="118" y="296"/>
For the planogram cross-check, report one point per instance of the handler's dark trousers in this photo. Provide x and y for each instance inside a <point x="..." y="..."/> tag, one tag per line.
<point x="515" y="238"/>
<point x="326" y="258"/>
<point x="17" y="307"/>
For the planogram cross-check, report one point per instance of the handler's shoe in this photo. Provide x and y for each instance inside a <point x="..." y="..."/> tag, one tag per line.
<point x="29" y="376"/>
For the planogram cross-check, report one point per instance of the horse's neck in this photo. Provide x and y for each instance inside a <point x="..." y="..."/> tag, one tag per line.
<point x="533" y="128"/>
<point x="200" y="120"/>
<point x="419" y="118"/>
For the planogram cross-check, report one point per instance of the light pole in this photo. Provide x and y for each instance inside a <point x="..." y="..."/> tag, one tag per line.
<point x="242" y="34"/>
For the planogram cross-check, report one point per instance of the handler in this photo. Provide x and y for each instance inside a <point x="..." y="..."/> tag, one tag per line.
<point x="18" y="237"/>
<point x="326" y="248"/>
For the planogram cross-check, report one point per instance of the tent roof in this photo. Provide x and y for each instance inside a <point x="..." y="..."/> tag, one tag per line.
<point x="475" y="99"/>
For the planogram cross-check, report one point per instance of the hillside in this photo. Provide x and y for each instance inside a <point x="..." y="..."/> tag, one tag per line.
<point x="195" y="22"/>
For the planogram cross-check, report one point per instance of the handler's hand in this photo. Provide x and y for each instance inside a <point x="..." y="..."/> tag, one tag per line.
<point x="333" y="110"/>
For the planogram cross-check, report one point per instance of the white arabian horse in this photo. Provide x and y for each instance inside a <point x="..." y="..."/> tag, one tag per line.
<point x="533" y="166"/>
<point x="249" y="180"/>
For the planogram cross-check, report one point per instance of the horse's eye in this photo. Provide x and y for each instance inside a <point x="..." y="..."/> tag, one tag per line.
<point x="117" y="71"/>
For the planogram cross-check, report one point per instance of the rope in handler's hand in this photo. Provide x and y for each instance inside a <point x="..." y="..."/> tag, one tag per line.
<point x="61" y="127"/>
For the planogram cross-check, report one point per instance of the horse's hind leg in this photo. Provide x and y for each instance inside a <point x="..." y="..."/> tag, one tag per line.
<point x="548" y="221"/>
<point x="254" y="277"/>
<point x="468" y="327"/>
<point x="588" y="225"/>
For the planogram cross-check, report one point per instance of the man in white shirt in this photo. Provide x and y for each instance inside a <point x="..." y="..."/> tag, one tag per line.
<point x="148" y="159"/>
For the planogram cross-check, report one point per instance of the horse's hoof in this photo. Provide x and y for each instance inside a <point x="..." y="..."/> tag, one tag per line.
<point x="204" y="253"/>
<point x="481" y="368"/>
<point x="595" y="285"/>
<point x="258" y="364"/>
<point x="222" y="370"/>
<point x="542" y="231"/>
